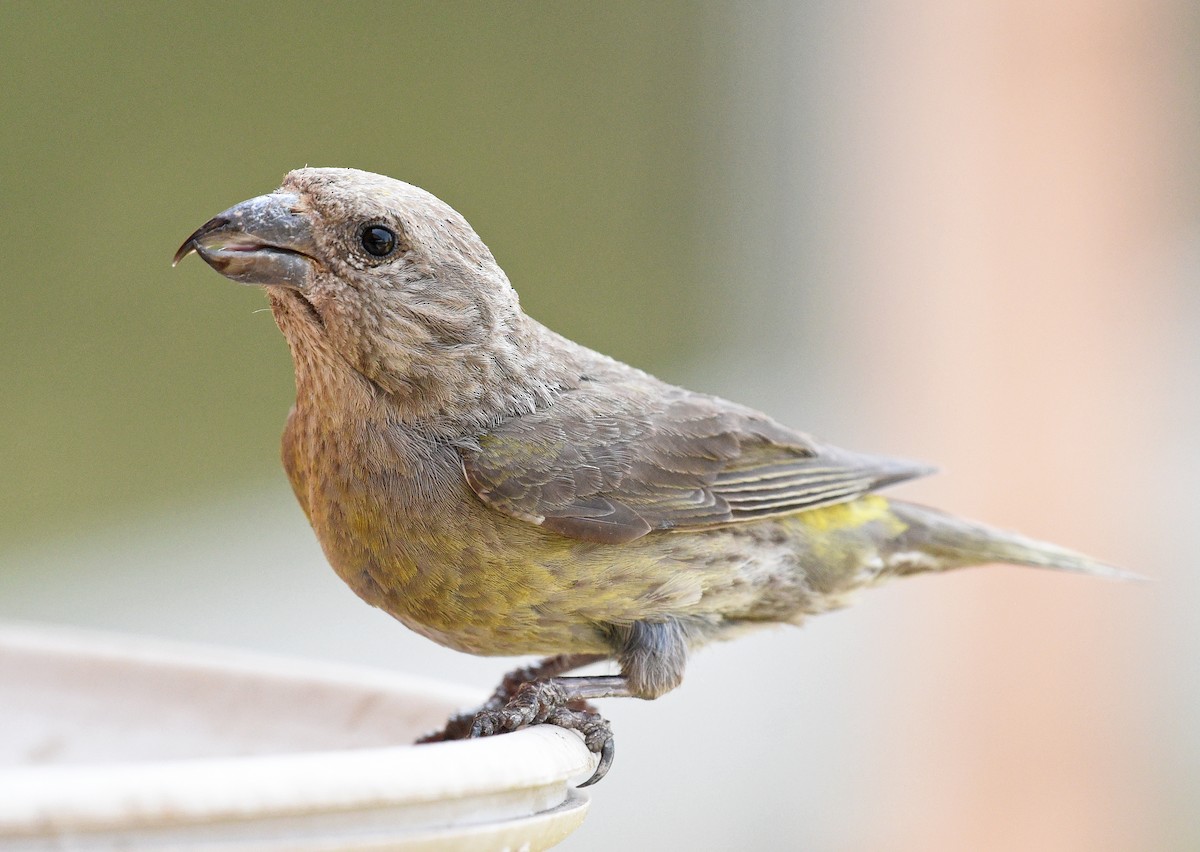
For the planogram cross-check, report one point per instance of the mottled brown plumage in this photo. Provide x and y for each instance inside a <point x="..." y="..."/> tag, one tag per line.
<point x="503" y="490"/>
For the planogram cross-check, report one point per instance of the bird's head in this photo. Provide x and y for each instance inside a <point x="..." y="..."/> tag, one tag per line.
<point x="372" y="271"/>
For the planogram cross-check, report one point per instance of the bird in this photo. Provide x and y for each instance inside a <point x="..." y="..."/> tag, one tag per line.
<point x="503" y="490"/>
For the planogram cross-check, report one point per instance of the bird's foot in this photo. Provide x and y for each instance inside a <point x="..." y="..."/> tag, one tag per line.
<point x="458" y="727"/>
<point x="537" y="695"/>
<point x="548" y="702"/>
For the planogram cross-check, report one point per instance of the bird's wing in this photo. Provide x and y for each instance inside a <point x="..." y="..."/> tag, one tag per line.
<point x="611" y="469"/>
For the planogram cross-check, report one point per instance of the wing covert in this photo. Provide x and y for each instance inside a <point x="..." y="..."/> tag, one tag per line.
<point x="612" y="469"/>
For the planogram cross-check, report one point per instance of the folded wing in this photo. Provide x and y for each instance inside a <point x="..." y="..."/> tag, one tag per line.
<point x="613" y="469"/>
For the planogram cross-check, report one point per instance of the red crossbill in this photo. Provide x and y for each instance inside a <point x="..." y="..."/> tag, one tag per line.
<point x="503" y="490"/>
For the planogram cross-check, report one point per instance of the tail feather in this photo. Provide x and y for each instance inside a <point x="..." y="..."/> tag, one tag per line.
<point x="936" y="541"/>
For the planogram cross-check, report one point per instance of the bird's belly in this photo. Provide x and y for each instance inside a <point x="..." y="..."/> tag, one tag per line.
<point x="483" y="583"/>
<point x="426" y="550"/>
<point x="460" y="574"/>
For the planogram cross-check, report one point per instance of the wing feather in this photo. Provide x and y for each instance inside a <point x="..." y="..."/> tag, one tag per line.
<point x="612" y="467"/>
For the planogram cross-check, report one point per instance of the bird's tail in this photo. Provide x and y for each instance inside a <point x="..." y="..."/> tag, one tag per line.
<point x="935" y="541"/>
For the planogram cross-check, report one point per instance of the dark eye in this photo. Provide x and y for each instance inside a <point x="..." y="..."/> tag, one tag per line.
<point x="378" y="241"/>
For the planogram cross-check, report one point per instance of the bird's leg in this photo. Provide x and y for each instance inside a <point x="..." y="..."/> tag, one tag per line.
<point x="459" y="726"/>
<point x="652" y="655"/>
<point x="560" y="701"/>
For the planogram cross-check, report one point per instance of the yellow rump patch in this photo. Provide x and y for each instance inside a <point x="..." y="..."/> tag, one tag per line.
<point x="848" y="516"/>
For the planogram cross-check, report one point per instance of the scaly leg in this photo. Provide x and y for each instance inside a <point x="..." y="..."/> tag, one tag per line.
<point x="652" y="655"/>
<point x="536" y="694"/>
<point x="556" y="701"/>
<point x="459" y="726"/>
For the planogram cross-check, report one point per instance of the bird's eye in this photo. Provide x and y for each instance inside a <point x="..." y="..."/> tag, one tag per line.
<point x="378" y="241"/>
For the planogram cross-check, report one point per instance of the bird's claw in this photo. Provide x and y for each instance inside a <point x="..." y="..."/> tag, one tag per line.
<point x="545" y="702"/>
<point x="607" y="751"/>
<point x="597" y="736"/>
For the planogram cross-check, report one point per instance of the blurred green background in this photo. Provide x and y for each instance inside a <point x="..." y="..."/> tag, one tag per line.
<point x="565" y="133"/>
<point x="961" y="232"/>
